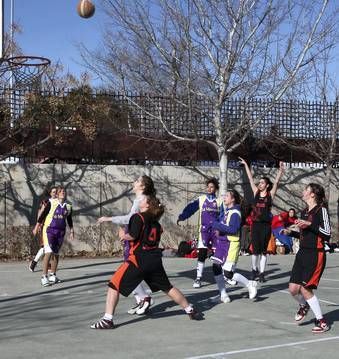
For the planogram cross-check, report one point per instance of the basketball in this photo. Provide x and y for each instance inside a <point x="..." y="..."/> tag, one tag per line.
<point x="85" y="8"/>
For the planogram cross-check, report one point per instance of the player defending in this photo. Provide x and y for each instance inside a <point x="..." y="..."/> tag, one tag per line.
<point x="144" y="263"/>
<point x="209" y="209"/>
<point x="228" y="247"/>
<point x="54" y="217"/>
<point x="261" y="216"/>
<point x="310" y="260"/>
<point x="51" y="194"/>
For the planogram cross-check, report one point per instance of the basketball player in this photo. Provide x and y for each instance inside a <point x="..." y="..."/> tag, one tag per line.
<point x="310" y="260"/>
<point x="144" y="185"/>
<point x="144" y="263"/>
<point x="209" y="209"/>
<point x="54" y="217"/>
<point x="261" y="216"/>
<point x="227" y="247"/>
<point x="51" y="194"/>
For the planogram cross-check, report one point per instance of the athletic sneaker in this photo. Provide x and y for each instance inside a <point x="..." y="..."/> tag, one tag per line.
<point x="53" y="279"/>
<point x="252" y="289"/>
<point x="144" y="306"/>
<point x="262" y="278"/>
<point x="301" y="313"/>
<point x="231" y="282"/>
<point x="103" y="324"/>
<point x="32" y="265"/>
<point x="225" y="298"/>
<point x="320" y="326"/>
<point x="44" y="281"/>
<point x="197" y="283"/>
<point x="133" y="309"/>
<point x="194" y="315"/>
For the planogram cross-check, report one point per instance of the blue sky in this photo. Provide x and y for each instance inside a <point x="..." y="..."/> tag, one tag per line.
<point x="51" y="28"/>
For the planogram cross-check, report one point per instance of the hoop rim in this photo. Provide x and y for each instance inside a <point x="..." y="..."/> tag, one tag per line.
<point x="19" y="61"/>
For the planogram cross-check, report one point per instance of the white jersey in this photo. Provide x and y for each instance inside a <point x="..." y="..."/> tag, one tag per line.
<point x="125" y="218"/>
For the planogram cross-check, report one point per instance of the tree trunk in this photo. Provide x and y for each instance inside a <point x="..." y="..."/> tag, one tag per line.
<point x="223" y="163"/>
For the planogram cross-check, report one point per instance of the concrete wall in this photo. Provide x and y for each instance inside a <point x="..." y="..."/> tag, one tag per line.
<point x="105" y="190"/>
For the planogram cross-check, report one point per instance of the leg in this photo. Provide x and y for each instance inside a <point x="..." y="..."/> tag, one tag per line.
<point x="202" y="255"/>
<point x="106" y="322"/>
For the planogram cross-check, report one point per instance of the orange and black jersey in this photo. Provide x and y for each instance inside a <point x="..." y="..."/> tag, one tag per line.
<point x="146" y="232"/>
<point x="318" y="232"/>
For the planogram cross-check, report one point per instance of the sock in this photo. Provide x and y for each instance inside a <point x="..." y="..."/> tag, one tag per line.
<point x="188" y="309"/>
<point x="108" y="316"/>
<point x="241" y="279"/>
<point x="140" y="293"/>
<point x="255" y="259"/>
<point x="315" y="306"/>
<point x="219" y="279"/>
<point x="40" y="253"/>
<point x="200" y="269"/>
<point x="263" y="261"/>
<point x="300" y="299"/>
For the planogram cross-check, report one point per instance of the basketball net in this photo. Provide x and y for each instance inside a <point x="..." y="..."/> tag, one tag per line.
<point x="27" y="71"/>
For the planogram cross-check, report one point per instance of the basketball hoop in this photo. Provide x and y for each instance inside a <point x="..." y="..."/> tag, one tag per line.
<point x="27" y="70"/>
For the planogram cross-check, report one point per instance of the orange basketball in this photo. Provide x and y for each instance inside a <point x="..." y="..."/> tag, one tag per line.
<point x="85" y="8"/>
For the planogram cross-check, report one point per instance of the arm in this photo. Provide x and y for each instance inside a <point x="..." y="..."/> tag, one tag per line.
<point x="249" y="175"/>
<point x="41" y="218"/>
<point x="189" y="210"/>
<point x="322" y="228"/>
<point x="232" y="228"/>
<point x="124" y="219"/>
<point x="277" y="179"/>
<point x="70" y="224"/>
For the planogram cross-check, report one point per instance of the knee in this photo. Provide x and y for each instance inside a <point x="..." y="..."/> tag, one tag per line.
<point x="293" y="289"/>
<point x="228" y="274"/>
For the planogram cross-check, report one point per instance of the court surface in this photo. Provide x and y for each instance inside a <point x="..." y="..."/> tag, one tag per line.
<point x="53" y="322"/>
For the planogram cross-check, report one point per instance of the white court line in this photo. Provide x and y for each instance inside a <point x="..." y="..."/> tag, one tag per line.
<point x="216" y="355"/>
<point x="330" y="280"/>
<point x="320" y="300"/>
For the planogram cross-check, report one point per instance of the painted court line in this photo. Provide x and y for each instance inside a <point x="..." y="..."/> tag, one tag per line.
<point x="320" y="300"/>
<point x="216" y="355"/>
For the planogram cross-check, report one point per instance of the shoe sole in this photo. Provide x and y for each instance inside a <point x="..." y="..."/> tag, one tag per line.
<point x="320" y="331"/>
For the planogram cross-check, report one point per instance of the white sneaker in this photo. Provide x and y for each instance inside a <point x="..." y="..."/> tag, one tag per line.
<point x="225" y="298"/>
<point x="231" y="282"/>
<point x="44" y="281"/>
<point x="53" y="279"/>
<point x="133" y="309"/>
<point x="197" y="283"/>
<point x="252" y="289"/>
<point x="144" y="306"/>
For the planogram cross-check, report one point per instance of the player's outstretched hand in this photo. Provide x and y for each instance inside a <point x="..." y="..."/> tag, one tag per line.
<point x="178" y="222"/>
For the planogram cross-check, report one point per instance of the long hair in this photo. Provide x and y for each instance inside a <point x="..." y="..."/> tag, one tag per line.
<point x="156" y="208"/>
<point x="148" y="183"/>
<point x="319" y="193"/>
<point x="238" y="199"/>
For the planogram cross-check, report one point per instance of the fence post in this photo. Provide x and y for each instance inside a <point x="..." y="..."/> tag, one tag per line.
<point x="100" y="215"/>
<point x="5" y="219"/>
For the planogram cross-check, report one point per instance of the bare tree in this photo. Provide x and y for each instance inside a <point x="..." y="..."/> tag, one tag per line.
<point x="209" y="50"/>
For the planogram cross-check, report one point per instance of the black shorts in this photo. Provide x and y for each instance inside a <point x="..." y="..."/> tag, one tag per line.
<point x="261" y="234"/>
<point x="308" y="267"/>
<point x="147" y="267"/>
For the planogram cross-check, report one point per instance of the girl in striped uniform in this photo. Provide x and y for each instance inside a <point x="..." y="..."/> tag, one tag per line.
<point x="228" y="247"/>
<point x="310" y="260"/>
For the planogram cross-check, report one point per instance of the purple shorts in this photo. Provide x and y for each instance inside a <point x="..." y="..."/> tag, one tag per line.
<point x="55" y="239"/>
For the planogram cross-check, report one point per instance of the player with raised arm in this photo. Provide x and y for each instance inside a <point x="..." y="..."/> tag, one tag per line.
<point x="261" y="216"/>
